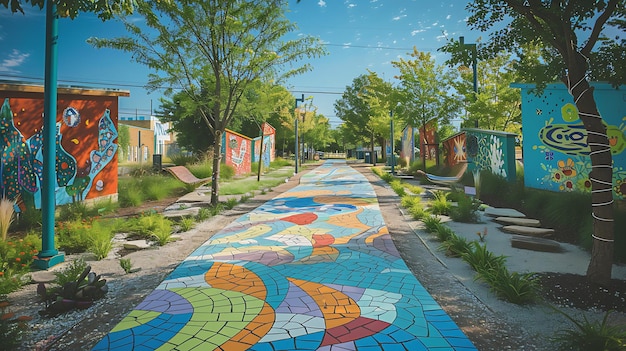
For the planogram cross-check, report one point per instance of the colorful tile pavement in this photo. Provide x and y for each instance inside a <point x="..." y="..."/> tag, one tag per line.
<point x="312" y="269"/>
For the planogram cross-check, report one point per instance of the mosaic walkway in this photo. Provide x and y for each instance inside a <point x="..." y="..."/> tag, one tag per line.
<point x="312" y="269"/>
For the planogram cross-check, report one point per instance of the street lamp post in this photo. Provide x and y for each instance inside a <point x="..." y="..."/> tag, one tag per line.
<point x="472" y="47"/>
<point x="296" y="129"/>
<point x="393" y="159"/>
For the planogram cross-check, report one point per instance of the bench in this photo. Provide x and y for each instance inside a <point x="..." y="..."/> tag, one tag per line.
<point x="183" y="174"/>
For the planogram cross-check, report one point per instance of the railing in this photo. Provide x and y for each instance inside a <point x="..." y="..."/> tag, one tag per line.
<point x="332" y="155"/>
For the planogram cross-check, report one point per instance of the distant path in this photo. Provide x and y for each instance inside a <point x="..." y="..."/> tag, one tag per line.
<point x="312" y="269"/>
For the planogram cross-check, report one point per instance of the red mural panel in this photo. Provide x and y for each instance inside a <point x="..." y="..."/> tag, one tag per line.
<point x="427" y="140"/>
<point x="455" y="149"/>
<point x="237" y="152"/>
<point x="86" y="149"/>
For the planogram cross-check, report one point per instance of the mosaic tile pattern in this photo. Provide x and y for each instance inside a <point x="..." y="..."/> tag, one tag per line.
<point x="312" y="269"/>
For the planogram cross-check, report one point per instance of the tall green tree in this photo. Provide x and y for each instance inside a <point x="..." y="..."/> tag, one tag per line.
<point x="496" y="105"/>
<point x="215" y="46"/>
<point x="425" y="91"/>
<point x="577" y="47"/>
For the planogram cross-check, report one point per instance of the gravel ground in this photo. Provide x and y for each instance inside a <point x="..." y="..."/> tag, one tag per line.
<point x="490" y="323"/>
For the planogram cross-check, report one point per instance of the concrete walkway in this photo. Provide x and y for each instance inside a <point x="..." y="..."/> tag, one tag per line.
<point x="312" y="269"/>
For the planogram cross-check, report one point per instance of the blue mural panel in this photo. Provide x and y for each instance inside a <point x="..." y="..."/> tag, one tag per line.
<point x="556" y="153"/>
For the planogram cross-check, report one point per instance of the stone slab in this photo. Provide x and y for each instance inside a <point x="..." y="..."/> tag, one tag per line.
<point x="535" y="244"/>
<point x="136" y="245"/>
<point x="528" y="231"/>
<point x="177" y="214"/>
<point x="526" y="222"/>
<point x="503" y="212"/>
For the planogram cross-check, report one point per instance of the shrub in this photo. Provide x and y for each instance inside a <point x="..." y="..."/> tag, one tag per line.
<point x="443" y="233"/>
<point x="100" y="243"/>
<point x="126" y="265"/>
<point x="397" y="186"/>
<point x="466" y="210"/>
<point x="589" y="335"/>
<point x="418" y="212"/>
<point x="226" y="172"/>
<point x="517" y="288"/>
<point x="479" y="258"/>
<point x="203" y="214"/>
<point x="73" y="236"/>
<point x="182" y="160"/>
<point x="432" y="223"/>
<point x="414" y="189"/>
<point x="11" y="329"/>
<point x="440" y="204"/>
<point x="161" y="232"/>
<point x="409" y="201"/>
<point x="230" y="203"/>
<point x="455" y="245"/>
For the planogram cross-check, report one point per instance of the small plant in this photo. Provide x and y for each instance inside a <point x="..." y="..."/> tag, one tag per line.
<point x="187" y="223"/>
<point x="409" y="201"/>
<point x="203" y="214"/>
<point x="466" y="210"/>
<point x="74" y="211"/>
<point x="414" y="189"/>
<point x="6" y="216"/>
<point x="440" y="204"/>
<point x="74" y="236"/>
<point x="479" y="258"/>
<point x="230" y="203"/>
<point x="78" y="293"/>
<point x="443" y="233"/>
<point x="162" y="231"/>
<point x="126" y="265"/>
<point x="417" y="212"/>
<point x="455" y="246"/>
<point x="482" y="235"/>
<point x="432" y="223"/>
<point x="71" y="272"/>
<point x="589" y="335"/>
<point x="397" y="186"/>
<point x="517" y="288"/>
<point x="100" y="244"/>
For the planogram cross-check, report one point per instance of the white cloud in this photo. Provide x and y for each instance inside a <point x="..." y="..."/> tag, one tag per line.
<point x="15" y="59"/>
<point x="321" y="3"/>
<point x="443" y="36"/>
<point x="448" y="17"/>
<point x="435" y="24"/>
<point x="397" y="18"/>
<point x="417" y="31"/>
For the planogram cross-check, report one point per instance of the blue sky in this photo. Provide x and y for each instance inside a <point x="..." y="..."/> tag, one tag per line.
<point x="359" y="35"/>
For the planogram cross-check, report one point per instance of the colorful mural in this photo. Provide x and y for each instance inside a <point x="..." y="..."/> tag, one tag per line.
<point x="407" y="152"/>
<point x="428" y="140"/>
<point x="491" y="150"/>
<point x="237" y="151"/>
<point x="556" y="154"/>
<point x="455" y="149"/>
<point x="269" y="145"/>
<point x="86" y="152"/>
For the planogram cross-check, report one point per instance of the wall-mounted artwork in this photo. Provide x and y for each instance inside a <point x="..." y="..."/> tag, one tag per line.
<point x="556" y="153"/>
<point x="237" y="150"/>
<point x="407" y="152"/>
<point x="427" y="139"/>
<point x="86" y="148"/>
<point x="455" y="149"/>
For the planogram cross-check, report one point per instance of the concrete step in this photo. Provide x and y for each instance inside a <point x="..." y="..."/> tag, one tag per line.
<point x="503" y="212"/>
<point x="535" y="244"/>
<point x="528" y="231"/>
<point x="526" y="222"/>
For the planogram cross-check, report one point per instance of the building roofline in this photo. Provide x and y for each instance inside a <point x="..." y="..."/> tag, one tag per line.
<point x="75" y="90"/>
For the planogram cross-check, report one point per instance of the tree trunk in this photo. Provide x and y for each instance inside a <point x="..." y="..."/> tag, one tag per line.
<point x="601" y="176"/>
<point x="215" y="175"/>
<point x="372" y="152"/>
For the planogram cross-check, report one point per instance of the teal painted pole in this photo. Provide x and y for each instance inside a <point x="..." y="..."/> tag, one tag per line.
<point x="48" y="200"/>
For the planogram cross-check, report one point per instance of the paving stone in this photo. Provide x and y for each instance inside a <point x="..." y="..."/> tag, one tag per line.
<point x="177" y="214"/>
<point x="136" y="245"/>
<point x="503" y="212"/>
<point x="528" y="231"/>
<point x="535" y="244"/>
<point x="526" y="222"/>
<point x="42" y="276"/>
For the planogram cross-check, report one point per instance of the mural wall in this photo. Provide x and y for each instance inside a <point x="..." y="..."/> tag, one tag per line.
<point x="491" y="150"/>
<point x="556" y="154"/>
<point x="269" y="145"/>
<point x="86" y="151"/>
<point x="454" y="147"/>
<point x="237" y="149"/>
<point x="427" y="140"/>
<point x="407" y="152"/>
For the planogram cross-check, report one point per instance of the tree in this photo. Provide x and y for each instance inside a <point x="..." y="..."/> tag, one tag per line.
<point x="496" y="105"/>
<point x="568" y="31"/>
<point x="105" y="9"/>
<point x="213" y="50"/>
<point x="123" y="140"/>
<point x="424" y="90"/>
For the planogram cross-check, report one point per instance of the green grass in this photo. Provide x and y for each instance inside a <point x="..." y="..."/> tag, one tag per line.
<point x="244" y="186"/>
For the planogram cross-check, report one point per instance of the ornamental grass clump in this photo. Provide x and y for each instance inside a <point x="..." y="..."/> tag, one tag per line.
<point x="514" y="287"/>
<point x="479" y="258"/>
<point x="7" y="211"/>
<point x="591" y="335"/>
<point x="455" y="246"/>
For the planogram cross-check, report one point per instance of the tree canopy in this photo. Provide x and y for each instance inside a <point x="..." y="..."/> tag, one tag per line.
<point x="105" y="9"/>
<point x="213" y="51"/>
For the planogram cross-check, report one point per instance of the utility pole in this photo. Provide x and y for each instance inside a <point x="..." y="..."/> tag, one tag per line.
<point x="472" y="47"/>
<point x="295" y="112"/>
